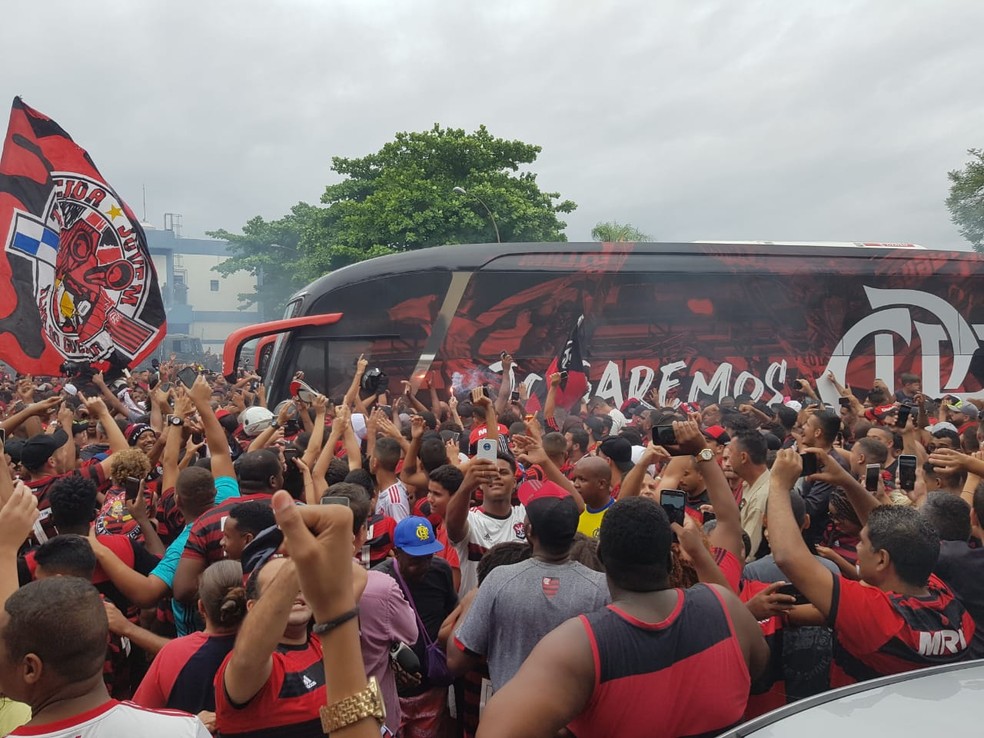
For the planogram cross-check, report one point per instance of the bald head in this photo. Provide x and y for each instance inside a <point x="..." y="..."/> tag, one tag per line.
<point x="594" y="467"/>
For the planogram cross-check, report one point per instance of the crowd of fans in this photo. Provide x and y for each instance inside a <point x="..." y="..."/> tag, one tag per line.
<point x="176" y="558"/>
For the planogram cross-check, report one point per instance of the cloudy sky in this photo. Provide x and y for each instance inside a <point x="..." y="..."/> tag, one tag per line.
<point x="691" y="119"/>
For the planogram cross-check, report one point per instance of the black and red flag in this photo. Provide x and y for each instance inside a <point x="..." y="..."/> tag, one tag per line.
<point x="575" y="385"/>
<point x="76" y="279"/>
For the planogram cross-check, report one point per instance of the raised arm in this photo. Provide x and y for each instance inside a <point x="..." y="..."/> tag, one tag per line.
<point x="17" y="517"/>
<point x="632" y="482"/>
<point x="353" y="391"/>
<point x="33" y="411"/>
<point x="108" y="397"/>
<point x="410" y="474"/>
<point x="505" y="386"/>
<point x="727" y="532"/>
<point x="789" y="549"/>
<point x="313" y="451"/>
<point x="833" y="473"/>
<point x="252" y="657"/>
<point x="550" y="404"/>
<point x="215" y="436"/>
<point x="477" y="471"/>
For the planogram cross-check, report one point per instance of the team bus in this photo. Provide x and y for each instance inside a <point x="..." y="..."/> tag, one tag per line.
<point x="691" y="320"/>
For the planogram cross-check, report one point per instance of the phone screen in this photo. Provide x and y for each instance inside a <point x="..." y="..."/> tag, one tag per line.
<point x="809" y="463"/>
<point x="330" y="500"/>
<point x="872" y="473"/>
<point x="131" y="487"/>
<point x="673" y="502"/>
<point x="663" y="435"/>
<point x="514" y="397"/>
<point x="907" y="472"/>
<point x="845" y="401"/>
<point x="187" y="376"/>
<point x="790" y="589"/>
<point x="903" y="416"/>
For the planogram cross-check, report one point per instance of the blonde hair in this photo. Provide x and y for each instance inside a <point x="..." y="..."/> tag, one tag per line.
<point x="130" y="463"/>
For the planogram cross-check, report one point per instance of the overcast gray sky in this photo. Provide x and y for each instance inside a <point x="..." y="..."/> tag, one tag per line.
<point x="775" y="120"/>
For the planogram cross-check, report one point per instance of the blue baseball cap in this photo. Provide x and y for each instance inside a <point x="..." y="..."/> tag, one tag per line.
<point x="415" y="537"/>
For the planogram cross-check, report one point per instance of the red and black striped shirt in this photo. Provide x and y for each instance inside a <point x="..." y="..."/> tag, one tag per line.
<point x="205" y="539"/>
<point x="634" y="660"/>
<point x="877" y="633"/>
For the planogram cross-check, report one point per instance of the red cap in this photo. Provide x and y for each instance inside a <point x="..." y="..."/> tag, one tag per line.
<point x="534" y="489"/>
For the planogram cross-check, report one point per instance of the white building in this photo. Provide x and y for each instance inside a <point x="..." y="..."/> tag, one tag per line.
<point x="199" y="301"/>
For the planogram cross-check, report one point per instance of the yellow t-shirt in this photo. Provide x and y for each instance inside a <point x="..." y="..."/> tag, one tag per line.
<point x="590" y="521"/>
<point x="13" y="715"/>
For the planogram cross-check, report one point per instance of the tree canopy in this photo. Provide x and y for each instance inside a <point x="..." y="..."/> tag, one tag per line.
<point x="402" y="198"/>
<point x="966" y="200"/>
<point x="613" y="231"/>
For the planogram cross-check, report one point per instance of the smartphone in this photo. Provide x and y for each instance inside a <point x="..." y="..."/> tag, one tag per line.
<point x="333" y="500"/>
<point x="563" y="375"/>
<point x="790" y="589"/>
<point x="487" y="449"/>
<point x="514" y="396"/>
<point x="903" y="417"/>
<point x="872" y="473"/>
<point x="502" y="355"/>
<point x="810" y="465"/>
<point x="455" y="436"/>
<point x="673" y="502"/>
<point x="844" y="401"/>
<point x="131" y="487"/>
<point x="663" y="435"/>
<point x="187" y="376"/>
<point x="907" y="472"/>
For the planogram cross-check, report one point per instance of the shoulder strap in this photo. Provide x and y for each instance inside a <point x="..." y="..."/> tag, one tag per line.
<point x="413" y="605"/>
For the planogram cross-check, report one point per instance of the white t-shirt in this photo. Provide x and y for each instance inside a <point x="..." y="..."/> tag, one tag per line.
<point x="112" y="719"/>
<point x="618" y="420"/>
<point x="484" y="532"/>
<point x="394" y="501"/>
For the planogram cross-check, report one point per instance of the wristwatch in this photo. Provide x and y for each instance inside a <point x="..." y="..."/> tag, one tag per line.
<point x="705" y="455"/>
<point x="364" y="704"/>
<point x="275" y="425"/>
<point x="175" y="420"/>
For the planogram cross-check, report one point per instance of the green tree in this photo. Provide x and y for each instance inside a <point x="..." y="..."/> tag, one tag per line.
<point x="402" y="198"/>
<point x="271" y="252"/>
<point x="612" y="231"/>
<point x="966" y="200"/>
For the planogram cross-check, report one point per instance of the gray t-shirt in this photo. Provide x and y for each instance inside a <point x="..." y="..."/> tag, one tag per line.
<point x="519" y="604"/>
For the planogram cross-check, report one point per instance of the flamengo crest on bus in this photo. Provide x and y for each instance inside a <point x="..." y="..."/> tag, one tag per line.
<point x="951" y="335"/>
<point x="89" y="270"/>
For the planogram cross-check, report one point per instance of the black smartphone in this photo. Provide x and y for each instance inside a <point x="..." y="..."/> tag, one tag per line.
<point x="903" y="417"/>
<point x="810" y="465"/>
<point x="331" y="500"/>
<point x="514" y="396"/>
<point x="663" y="435"/>
<point x="131" y="487"/>
<point x="563" y="375"/>
<point x="907" y="472"/>
<point x="187" y="376"/>
<point x="289" y="455"/>
<point x="790" y="589"/>
<point x="872" y="473"/>
<point x="673" y="502"/>
<point x="844" y="401"/>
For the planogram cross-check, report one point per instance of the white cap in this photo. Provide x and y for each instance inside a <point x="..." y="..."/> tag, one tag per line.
<point x="797" y="406"/>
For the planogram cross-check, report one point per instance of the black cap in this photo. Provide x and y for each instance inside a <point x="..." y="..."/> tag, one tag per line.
<point x="38" y="449"/>
<point x="619" y="450"/>
<point x="13" y="448"/>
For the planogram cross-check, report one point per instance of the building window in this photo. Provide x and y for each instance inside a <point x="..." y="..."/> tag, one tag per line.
<point x="214" y="284"/>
